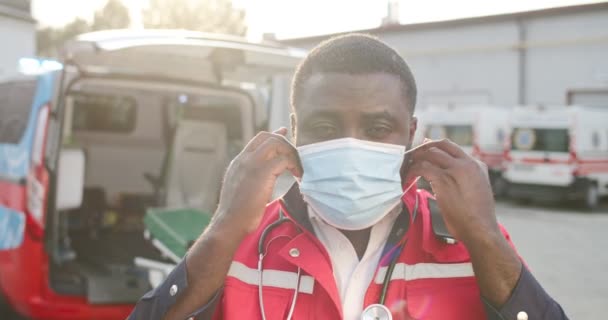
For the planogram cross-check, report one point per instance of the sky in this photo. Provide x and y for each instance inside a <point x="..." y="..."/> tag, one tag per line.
<point x="300" y="18"/>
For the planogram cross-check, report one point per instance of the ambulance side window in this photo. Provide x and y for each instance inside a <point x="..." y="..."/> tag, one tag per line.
<point x="16" y="99"/>
<point x="103" y="113"/>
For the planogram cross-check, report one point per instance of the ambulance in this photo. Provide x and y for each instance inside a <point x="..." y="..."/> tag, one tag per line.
<point x="481" y="130"/>
<point x="558" y="153"/>
<point x="129" y="120"/>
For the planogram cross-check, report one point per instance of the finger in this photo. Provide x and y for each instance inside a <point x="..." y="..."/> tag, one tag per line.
<point x="427" y="170"/>
<point x="445" y="144"/>
<point x="436" y="156"/>
<point x="257" y="140"/>
<point x="280" y="164"/>
<point x="278" y="146"/>
<point x="263" y="136"/>
<point x="274" y="146"/>
<point x="281" y="131"/>
<point x="484" y="169"/>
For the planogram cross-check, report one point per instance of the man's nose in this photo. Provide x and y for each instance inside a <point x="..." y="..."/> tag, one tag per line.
<point x="353" y="132"/>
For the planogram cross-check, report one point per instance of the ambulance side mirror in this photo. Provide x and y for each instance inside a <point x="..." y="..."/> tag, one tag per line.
<point x="70" y="179"/>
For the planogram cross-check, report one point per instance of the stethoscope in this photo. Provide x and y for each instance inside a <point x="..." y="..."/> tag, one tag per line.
<point x="376" y="311"/>
<point x="261" y="253"/>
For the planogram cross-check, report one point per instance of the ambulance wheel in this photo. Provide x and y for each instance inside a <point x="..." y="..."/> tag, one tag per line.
<point x="6" y="312"/>
<point x="592" y="197"/>
<point x="4" y="308"/>
<point x="499" y="186"/>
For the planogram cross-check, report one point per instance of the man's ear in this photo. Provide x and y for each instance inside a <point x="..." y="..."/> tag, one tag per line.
<point x="413" y="127"/>
<point x="292" y="119"/>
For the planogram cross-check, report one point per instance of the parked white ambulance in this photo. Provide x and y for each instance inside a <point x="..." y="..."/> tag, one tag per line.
<point x="558" y="152"/>
<point x="479" y="129"/>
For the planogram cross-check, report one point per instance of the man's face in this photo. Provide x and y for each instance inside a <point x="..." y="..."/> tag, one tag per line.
<point x="366" y="107"/>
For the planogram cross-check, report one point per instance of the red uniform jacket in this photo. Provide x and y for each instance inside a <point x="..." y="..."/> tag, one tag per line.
<point x="431" y="280"/>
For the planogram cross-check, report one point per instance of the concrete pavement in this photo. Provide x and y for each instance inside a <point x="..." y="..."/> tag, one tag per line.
<point x="567" y="251"/>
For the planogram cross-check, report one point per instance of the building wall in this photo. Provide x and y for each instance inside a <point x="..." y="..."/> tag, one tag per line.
<point x="465" y="64"/>
<point x="507" y="60"/>
<point x="18" y="33"/>
<point x="21" y="37"/>
<point x="566" y="53"/>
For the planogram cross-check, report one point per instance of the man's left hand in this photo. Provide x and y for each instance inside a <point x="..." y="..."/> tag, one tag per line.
<point x="461" y="186"/>
<point x="464" y="196"/>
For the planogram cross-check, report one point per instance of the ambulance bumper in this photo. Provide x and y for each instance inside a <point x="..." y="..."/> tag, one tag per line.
<point x="574" y="191"/>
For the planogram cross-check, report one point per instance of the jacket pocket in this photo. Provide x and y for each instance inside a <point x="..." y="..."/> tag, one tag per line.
<point x="242" y="301"/>
<point x="445" y="299"/>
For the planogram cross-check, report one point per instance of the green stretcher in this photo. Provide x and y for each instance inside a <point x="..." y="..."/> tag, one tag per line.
<point x="172" y="231"/>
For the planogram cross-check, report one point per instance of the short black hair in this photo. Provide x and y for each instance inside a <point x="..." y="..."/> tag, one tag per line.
<point x="354" y="53"/>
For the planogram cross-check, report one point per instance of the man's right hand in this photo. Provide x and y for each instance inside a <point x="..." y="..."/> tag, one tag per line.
<point x="250" y="180"/>
<point x="247" y="188"/>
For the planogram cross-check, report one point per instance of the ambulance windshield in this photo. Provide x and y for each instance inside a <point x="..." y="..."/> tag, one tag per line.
<point x="460" y="134"/>
<point x="535" y="139"/>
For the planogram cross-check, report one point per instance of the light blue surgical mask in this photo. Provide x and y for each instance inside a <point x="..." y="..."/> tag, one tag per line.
<point x="351" y="184"/>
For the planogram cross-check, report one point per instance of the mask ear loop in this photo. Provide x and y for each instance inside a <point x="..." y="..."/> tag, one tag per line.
<point x="415" y="182"/>
<point x="411" y="185"/>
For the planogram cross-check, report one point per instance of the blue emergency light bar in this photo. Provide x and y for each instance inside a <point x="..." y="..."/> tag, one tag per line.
<point x="36" y="66"/>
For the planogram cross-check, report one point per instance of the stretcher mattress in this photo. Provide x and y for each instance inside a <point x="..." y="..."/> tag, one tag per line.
<point x="173" y="231"/>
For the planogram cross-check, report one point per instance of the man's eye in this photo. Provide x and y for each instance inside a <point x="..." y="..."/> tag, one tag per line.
<point x="323" y="130"/>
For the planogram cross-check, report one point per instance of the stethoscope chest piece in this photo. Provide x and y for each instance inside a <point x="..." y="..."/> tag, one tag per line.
<point x="376" y="312"/>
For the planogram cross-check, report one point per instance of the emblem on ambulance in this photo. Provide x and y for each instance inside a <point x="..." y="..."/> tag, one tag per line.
<point x="524" y="139"/>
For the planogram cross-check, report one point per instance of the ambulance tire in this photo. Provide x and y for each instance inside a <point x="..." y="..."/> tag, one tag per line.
<point x="4" y="307"/>
<point x="499" y="187"/>
<point x="591" y="197"/>
<point x="6" y="312"/>
<point x="523" y="201"/>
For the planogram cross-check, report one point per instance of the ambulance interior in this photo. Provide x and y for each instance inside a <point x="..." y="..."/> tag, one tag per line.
<point x="145" y="145"/>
